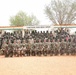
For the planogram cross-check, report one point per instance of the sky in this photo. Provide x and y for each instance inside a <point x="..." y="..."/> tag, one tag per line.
<point x="10" y="8"/>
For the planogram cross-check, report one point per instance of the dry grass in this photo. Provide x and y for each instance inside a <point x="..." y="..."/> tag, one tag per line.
<point x="55" y="65"/>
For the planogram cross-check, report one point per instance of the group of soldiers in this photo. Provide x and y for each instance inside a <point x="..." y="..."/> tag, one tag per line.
<point x="53" y="48"/>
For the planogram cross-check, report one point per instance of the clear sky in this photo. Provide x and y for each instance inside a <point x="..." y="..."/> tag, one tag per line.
<point x="12" y="7"/>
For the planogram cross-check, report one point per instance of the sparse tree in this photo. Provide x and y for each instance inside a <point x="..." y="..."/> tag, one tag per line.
<point x="22" y="19"/>
<point x="61" y="12"/>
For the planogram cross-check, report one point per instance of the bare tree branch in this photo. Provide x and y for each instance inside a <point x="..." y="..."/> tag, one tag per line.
<point x="61" y="12"/>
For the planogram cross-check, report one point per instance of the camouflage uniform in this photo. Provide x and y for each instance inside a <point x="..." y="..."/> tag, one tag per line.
<point x="39" y="48"/>
<point x="14" y="48"/>
<point x="57" y="47"/>
<point x="62" y="47"/>
<point x="52" y="47"/>
<point x="73" y="48"/>
<point x="49" y="46"/>
<point x="22" y="53"/>
<point x="36" y="48"/>
<point x="68" y="48"/>
<point x="17" y="46"/>
<point x="45" y="49"/>
<point x="28" y="48"/>
<point x="33" y="51"/>
<point x="10" y="49"/>
<point x="24" y="44"/>
<point x="5" y="49"/>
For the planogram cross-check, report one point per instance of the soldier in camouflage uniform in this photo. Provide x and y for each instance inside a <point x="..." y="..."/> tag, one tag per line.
<point x="73" y="48"/>
<point x="49" y="48"/>
<point x="45" y="48"/>
<point x="10" y="49"/>
<point x="33" y="49"/>
<point x="68" y="48"/>
<point x="17" y="46"/>
<point x="39" y="48"/>
<point x="28" y="48"/>
<point x="22" y="48"/>
<point x="5" y="48"/>
<point x="24" y="44"/>
<point x="22" y="52"/>
<point x="52" y="46"/>
<point x="57" y="47"/>
<point x="36" y="48"/>
<point x="62" y="47"/>
<point x="14" y="47"/>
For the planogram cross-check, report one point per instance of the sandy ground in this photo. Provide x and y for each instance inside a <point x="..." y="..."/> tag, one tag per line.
<point x="54" y="65"/>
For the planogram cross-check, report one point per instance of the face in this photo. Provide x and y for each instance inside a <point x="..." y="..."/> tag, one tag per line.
<point x="44" y="40"/>
<point x="39" y="40"/>
<point x="24" y="41"/>
<point x="53" y="40"/>
<point x="34" y="41"/>
<point x="4" y="42"/>
<point x="58" y="40"/>
<point x="19" y="41"/>
<point x="62" y="40"/>
<point x="9" y="41"/>
<point x="14" y="41"/>
<point x="49" y="40"/>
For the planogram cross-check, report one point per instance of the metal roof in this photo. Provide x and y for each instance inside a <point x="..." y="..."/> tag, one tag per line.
<point x="36" y="26"/>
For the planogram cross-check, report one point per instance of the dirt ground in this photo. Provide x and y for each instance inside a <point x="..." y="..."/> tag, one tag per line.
<point x="54" y="65"/>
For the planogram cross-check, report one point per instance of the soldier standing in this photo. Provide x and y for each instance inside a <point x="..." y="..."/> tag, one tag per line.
<point x="33" y="47"/>
<point x="73" y="48"/>
<point x="18" y="47"/>
<point x="52" y="47"/>
<point x="39" y="48"/>
<point x="24" y="47"/>
<point x="57" y="49"/>
<point x="68" y="47"/>
<point x="10" y="49"/>
<point x="14" y="47"/>
<point x="49" y="48"/>
<point x="5" y="48"/>
<point x="45" y="49"/>
<point x="62" y="47"/>
<point x="28" y="47"/>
